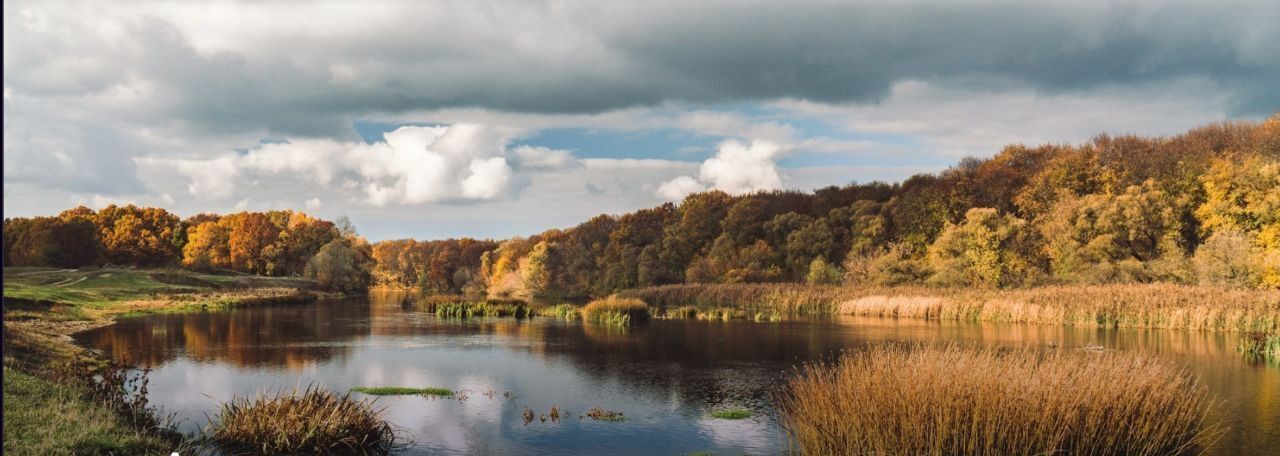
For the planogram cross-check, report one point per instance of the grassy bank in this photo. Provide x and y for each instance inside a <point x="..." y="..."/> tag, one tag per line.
<point x="1138" y="306"/>
<point x="45" y="418"/>
<point x="900" y="400"/>
<point x="57" y="413"/>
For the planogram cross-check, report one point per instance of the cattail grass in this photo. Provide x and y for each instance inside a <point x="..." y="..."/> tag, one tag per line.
<point x="314" y="421"/>
<point x="913" y="400"/>
<point x="616" y="311"/>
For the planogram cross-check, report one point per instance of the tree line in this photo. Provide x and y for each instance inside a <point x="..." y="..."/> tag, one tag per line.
<point x="273" y="243"/>
<point x="1198" y="207"/>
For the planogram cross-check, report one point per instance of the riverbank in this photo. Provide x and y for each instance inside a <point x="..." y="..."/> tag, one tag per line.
<point x="43" y="307"/>
<point x="1113" y="306"/>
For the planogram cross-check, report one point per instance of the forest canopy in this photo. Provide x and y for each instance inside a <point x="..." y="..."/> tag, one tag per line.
<point x="1199" y="207"/>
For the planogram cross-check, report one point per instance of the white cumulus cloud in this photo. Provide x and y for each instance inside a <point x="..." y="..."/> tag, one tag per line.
<point x="736" y="168"/>
<point x="411" y="165"/>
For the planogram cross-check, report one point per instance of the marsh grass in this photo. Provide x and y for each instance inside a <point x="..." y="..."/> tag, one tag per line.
<point x="599" y="414"/>
<point x="731" y="414"/>
<point x="1125" y="306"/>
<point x="561" y="311"/>
<point x="1260" y="345"/>
<point x="908" y="400"/>
<point x="616" y="311"/>
<point x="402" y="391"/>
<point x="459" y="307"/>
<point x="313" y="421"/>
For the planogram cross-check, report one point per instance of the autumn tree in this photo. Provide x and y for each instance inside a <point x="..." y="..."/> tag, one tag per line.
<point x="138" y="236"/>
<point x="1108" y="238"/>
<point x="986" y="250"/>
<point x="341" y="265"/>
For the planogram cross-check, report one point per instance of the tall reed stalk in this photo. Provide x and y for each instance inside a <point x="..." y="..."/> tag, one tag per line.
<point x="922" y="400"/>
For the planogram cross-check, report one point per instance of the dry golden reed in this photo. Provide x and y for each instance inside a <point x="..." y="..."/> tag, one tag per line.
<point x="1134" y="305"/>
<point x="314" y="421"/>
<point x="616" y="311"/>
<point x="922" y="400"/>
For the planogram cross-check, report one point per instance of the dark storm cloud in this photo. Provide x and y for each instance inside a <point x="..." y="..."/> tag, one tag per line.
<point x="597" y="56"/>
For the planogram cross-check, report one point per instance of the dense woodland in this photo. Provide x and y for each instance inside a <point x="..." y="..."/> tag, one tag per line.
<point x="1200" y="207"/>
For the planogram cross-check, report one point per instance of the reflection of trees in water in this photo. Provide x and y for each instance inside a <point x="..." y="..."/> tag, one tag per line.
<point x="286" y="336"/>
<point x="731" y="363"/>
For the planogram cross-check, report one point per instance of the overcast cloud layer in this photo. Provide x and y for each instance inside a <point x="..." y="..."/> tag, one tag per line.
<point x="226" y="105"/>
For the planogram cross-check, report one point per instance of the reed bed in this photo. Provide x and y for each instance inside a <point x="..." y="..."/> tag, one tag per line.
<point x="1261" y="345"/>
<point x="1129" y="306"/>
<point x="314" y="421"/>
<point x="457" y="307"/>
<point x="911" y="400"/>
<point x="561" y="311"/>
<point x="616" y="311"/>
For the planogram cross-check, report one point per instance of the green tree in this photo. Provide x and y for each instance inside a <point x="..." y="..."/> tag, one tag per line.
<point x="823" y="273"/>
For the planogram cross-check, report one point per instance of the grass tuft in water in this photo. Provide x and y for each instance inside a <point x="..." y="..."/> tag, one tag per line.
<point x="401" y="391"/>
<point x="314" y="421"/>
<point x="732" y="414"/>
<point x="562" y="311"/>
<point x="616" y="311"/>
<point x="1261" y="345"/>
<point x="599" y="414"/>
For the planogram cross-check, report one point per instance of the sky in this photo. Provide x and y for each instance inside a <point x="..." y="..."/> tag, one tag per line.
<point x="491" y="119"/>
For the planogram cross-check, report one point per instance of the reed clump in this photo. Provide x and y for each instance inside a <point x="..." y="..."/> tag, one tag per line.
<point x="314" y="421"/>
<point x="908" y="400"/>
<point x="616" y="311"/>
<point x="1261" y="345"/>
<point x="561" y="311"/>
<point x="599" y="414"/>
<point x="468" y="308"/>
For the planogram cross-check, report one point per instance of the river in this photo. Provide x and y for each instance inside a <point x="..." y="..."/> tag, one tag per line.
<point x="665" y="377"/>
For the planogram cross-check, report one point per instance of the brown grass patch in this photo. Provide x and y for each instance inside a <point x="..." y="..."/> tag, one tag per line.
<point x="909" y="400"/>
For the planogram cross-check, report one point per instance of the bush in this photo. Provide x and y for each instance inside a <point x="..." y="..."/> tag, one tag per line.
<point x="900" y="400"/>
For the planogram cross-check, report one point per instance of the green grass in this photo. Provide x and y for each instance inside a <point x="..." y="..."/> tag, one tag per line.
<point x="562" y="311"/>
<point x="90" y="293"/>
<point x="401" y="391"/>
<point x="43" y="418"/>
<point x="731" y="414"/>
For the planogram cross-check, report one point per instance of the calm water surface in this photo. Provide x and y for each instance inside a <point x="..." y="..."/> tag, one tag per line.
<point x="666" y="377"/>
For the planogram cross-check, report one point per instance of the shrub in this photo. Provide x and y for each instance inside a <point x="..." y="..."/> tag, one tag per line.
<point x="908" y="400"/>
<point x="313" y="422"/>
<point x="616" y="311"/>
<point x="823" y="273"/>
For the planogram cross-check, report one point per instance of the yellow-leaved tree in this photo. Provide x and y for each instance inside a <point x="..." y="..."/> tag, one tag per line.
<point x="1243" y="196"/>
